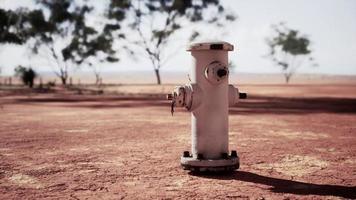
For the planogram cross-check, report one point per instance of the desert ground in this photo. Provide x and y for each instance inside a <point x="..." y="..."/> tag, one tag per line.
<point x="294" y="142"/>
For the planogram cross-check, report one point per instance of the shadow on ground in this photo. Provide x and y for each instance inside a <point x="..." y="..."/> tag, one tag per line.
<point x="252" y="105"/>
<point x="286" y="186"/>
<point x="285" y="105"/>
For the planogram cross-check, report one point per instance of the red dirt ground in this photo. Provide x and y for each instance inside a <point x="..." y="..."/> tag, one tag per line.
<point x="294" y="142"/>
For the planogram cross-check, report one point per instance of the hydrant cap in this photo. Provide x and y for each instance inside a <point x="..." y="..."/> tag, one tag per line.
<point x="215" y="45"/>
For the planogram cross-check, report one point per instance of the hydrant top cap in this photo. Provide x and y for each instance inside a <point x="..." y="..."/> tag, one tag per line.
<point x="216" y="45"/>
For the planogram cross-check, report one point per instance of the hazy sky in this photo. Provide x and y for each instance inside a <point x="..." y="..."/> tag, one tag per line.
<point x="330" y="25"/>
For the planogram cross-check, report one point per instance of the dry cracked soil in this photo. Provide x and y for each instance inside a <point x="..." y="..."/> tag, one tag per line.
<point x="294" y="142"/>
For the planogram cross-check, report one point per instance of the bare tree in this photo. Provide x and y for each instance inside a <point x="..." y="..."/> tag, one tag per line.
<point x="156" y="21"/>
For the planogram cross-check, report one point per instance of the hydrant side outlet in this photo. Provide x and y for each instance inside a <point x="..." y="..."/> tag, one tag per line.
<point x="208" y="98"/>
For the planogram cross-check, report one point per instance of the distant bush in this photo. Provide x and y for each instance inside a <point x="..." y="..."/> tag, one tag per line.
<point x="51" y="84"/>
<point x="27" y="75"/>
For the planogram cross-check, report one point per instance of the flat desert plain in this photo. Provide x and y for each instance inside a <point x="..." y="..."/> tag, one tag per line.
<point x="294" y="142"/>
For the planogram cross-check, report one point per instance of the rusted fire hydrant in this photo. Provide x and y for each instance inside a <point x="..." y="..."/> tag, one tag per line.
<point x="208" y="98"/>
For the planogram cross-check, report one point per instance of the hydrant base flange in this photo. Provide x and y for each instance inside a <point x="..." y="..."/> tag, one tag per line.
<point x="202" y="165"/>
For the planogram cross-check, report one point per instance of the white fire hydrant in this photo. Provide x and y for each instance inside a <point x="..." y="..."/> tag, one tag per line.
<point x="208" y="98"/>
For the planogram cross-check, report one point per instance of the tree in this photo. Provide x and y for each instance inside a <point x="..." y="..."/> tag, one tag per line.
<point x="67" y="39"/>
<point x="12" y="26"/>
<point x="16" y="27"/>
<point x="62" y="35"/>
<point x="95" y="46"/>
<point x="289" y="49"/>
<point x="61" y="25"/>
<point x="88" y="51"/>
<point x="156" y="21"/>
<point x="27" y="75"/>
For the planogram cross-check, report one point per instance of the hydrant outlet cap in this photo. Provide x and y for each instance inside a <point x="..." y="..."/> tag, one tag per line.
<point x="216" y="45"/>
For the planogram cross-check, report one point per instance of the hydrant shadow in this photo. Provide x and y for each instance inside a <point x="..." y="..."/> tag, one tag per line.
<point x="279" y="185"/>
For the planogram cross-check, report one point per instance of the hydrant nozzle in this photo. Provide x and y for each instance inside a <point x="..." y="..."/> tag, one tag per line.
<point x="242" y="95"/>
<point x="169" y="96"/>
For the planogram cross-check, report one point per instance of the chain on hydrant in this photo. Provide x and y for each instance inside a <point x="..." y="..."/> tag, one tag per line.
<point x="208" y="98"/>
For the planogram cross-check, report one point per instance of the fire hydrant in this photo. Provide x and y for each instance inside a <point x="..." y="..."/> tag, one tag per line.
<point x="208" y="98"/>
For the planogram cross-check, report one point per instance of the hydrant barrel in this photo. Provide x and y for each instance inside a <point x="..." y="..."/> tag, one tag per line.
<point x="210" y="119"/>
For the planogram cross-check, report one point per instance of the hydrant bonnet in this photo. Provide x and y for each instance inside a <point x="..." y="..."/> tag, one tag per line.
<point x="216" y="45"/>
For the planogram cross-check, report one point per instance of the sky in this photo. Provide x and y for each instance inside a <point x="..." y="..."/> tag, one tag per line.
<point x="329" y="24"/>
